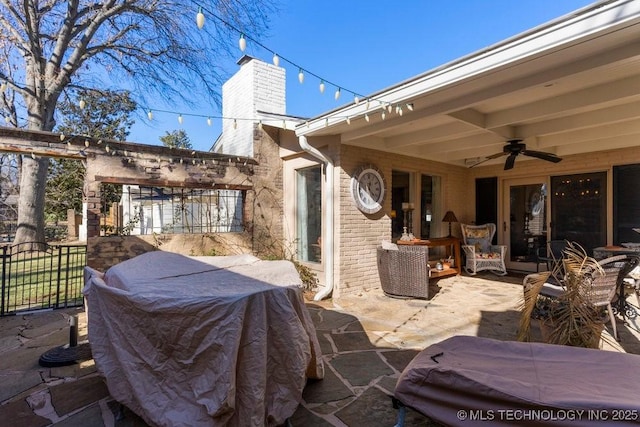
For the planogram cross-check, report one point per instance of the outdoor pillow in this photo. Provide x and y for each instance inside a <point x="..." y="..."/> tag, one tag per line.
<point x="478" y="233"/>
<point x="388" y="245"/>
<point x="481" y="245"/>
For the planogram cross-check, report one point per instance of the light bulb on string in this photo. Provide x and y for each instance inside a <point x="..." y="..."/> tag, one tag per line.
<point x="209" y="121"/>
<point x="82" y="104"/>
<point x="260" y="125"/>
<point x="389" y="108"/>
<point x="276" y="60"/>
<point x="337" y="94"/>
<point x="368" y="103"/>
<point x="200" y="18"/>
<point x="348" y="120"/>
<point x="321" y="86"/>
<point x="7" y="119"/>
<point x="410" y="107"/>
<point x="366" y="117"/>
<point x="383" y="115"/>
<point x="3" y="86"/>
<point x="400" y="112"/>
<point x="326" y="122"/>
<point x="242" y="43"/>
<point x="150" y="115"/>
<point x="62" y="137"/>
<point x="86" y="143"/>
<point x="301" y="76"/>
<point x="356" y="100"/>
<point x="180" y="119"/>
<point x="235" y="123"/>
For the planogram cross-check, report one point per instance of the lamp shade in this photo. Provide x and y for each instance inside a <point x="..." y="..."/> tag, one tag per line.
<point x="449" y="217"/>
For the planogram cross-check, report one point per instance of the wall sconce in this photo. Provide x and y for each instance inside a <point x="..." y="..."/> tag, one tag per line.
<point x="449" y="217"/>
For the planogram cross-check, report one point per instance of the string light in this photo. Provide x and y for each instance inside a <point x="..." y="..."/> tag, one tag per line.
<point x="301" y="76"/>
<point x="276" y="60"/>
<point x="200" y="19"/>
<point x="348" y="120"/>
<point x="150" y="115"/>
<point x="337" y="94"/>
<point x="82" y="104"/>
<point x="209" y="121"/>
<point x="321" y="86"/>
<point x="180" y="119"/>
<point x="62" y="137"/>
<point x="3" y="86"/>
<point x="235" y="123"/>
<point x="366" y="117"/>
<point x="242" y="43"/>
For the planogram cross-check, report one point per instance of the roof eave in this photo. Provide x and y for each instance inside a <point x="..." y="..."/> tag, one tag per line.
<point x="599" y="18"/>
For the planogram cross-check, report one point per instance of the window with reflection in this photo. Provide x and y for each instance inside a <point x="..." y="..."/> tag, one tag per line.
<point x="309" y="214"/>
<point x="626" y="204"/>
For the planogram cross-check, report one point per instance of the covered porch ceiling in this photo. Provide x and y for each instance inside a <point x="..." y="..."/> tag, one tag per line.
<point x="571" y="86"/>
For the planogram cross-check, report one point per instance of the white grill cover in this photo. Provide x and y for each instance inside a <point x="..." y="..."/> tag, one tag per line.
<point x="515" y="383"/>
<point x="202" y="341"/>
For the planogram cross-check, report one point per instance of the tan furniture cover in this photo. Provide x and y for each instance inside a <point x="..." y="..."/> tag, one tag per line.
<point x="466" y="380"/>
<point x="202" y="341"/>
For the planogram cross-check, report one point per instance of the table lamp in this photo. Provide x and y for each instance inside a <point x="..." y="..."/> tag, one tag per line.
<point x="449" y="217"/>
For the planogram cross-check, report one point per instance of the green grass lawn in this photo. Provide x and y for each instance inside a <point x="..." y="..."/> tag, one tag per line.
<point x="43" y="279"/>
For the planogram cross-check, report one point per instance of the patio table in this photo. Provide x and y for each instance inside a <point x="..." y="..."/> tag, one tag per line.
<point x="202" y="340"/>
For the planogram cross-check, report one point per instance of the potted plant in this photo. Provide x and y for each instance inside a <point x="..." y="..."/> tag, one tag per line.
<point x="570" y="318"/>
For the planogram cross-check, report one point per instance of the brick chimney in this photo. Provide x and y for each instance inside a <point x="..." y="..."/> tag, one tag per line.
<point x="257" y="86"/>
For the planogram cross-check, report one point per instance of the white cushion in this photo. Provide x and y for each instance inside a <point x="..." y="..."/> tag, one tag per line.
<point x="388" y="245"/>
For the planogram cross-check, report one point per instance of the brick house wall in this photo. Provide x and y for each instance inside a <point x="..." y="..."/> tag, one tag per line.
<point x="360" y="234"/>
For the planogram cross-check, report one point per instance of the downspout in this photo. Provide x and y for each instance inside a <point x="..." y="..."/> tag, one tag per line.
<point x="327" y="240"/>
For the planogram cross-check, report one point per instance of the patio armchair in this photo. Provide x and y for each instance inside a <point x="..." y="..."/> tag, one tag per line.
<point x="602" y="289"/>
<point x="404" y="271"/>
<point x="552" y="254"/>
<point x="480" y="254"/>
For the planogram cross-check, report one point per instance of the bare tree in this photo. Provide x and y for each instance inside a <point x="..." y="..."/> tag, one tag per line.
<point x="51" y="47"/>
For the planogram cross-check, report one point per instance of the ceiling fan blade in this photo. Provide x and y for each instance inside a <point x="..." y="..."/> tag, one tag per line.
<point x="550" y="157"/>
<point x="493" y="156"/>
<point x="508" y="164"/>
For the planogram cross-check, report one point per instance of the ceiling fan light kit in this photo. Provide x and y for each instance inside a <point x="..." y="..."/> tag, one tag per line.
<point x="513" y="148"/>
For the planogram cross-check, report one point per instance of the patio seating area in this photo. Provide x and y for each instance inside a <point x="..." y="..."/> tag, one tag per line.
<point x="366" y="340"/>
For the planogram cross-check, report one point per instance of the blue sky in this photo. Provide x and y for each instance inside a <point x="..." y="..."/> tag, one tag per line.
<point x="363" y="46"/>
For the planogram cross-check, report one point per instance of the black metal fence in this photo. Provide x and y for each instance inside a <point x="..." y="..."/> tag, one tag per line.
<point x="37" y="276"/>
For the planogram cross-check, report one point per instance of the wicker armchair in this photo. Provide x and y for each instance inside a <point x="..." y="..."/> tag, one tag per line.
<point x="480" y="254"/>
<point x="404" y="272"/>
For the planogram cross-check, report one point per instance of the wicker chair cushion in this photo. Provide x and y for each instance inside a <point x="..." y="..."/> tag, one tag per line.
<point x="487" y="255"/>
<point x="481" y="244"/>
<point x="478" y="233"/>
<point x="389" y="246"/>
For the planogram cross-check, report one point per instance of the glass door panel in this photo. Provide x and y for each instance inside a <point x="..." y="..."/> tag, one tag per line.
<point x="526" y="227"/>
<point x="579" y="209"/>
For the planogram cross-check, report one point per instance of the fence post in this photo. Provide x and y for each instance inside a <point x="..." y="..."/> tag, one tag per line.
<point x="58" y="278"/>
<point x="4" y="278"/>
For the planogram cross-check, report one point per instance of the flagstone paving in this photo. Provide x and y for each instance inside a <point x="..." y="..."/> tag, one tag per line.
<point x="366" y="341"/>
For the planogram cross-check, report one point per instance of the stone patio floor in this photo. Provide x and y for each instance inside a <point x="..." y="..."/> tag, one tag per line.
<point x="366" y="340"/>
